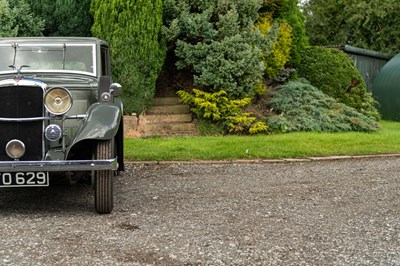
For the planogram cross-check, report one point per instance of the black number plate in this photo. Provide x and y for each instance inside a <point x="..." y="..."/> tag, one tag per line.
<point x="28" y="179"/>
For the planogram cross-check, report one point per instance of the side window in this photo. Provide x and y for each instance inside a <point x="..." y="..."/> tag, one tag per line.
<point x="105" y="62"/>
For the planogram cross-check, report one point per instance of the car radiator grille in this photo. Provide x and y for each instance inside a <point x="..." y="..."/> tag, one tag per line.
<point x="22" y="102"/>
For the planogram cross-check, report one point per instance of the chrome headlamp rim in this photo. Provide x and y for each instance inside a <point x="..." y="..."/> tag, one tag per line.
<point x="57" y="100"/>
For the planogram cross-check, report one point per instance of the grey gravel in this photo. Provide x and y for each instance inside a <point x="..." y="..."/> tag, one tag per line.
<point x="340" y="212"/>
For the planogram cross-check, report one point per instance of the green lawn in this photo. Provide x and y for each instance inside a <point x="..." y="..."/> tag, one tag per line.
<point x="291" y="145"/>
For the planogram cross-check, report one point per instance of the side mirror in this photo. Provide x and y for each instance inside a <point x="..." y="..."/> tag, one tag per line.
<point x="115" y="89"/>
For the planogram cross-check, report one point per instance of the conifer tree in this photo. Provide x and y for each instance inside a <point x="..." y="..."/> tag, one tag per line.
<point x="368" y="24"/>
<point x="64" y="17"/>
<point x="17" y="19"/>
<point x="6" y="20"/>
<point x="288" y="11"/>
<point x="218" y="41"/>
<point x="132" y="28"/>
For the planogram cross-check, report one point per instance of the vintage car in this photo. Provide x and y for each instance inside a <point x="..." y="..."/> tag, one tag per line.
<point x="60" y="114"/>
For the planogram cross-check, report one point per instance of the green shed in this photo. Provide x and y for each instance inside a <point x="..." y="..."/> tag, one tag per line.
<point x="368" y="62"/>
<point x="386" y="89"/>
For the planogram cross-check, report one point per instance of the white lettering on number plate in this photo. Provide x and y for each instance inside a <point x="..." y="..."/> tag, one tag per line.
<point x="24" y="179"/>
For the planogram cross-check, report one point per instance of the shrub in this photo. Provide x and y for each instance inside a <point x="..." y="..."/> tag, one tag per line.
<point x="280" y="52"/>
<point x="133" y="31"/>
<point x="333" y="72"/>
<point x="209" y="128"/>
<point x="288" y="11"/>
<point x="217" y="41"/>
<point x="217" y="107"/>
<point x="299" y="106"/>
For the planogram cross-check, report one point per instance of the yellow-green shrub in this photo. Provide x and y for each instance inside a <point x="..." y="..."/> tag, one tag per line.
<point x="280" y="54"/>
<point x="219" y="108"/>
<point x="281" y="48"/>
<point x="260" y="89"/>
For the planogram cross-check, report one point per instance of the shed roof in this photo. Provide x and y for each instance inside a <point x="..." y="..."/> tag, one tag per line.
<point x="370" y="53"/>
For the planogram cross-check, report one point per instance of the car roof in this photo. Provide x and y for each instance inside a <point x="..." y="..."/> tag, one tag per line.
<point x="52" y="40"/>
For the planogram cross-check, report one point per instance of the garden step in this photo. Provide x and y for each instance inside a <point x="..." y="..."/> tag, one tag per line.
<point x="168" y="118"/>
<point x="166" y="101"/>
<point x="170" y="129"/>
<point x="169" y="109"/>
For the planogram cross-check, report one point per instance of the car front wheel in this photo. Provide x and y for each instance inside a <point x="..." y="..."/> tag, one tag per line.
<point x="104" y="180"/>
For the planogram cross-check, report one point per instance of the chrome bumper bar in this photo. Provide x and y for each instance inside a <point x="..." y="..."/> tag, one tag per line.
<point x="34" y="119"/>
<point x="58" y="166"/>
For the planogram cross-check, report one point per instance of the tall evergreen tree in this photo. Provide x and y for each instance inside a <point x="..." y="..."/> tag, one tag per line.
<point x="6" y="20"/>
<point x="64" y="17"/>
<point x="74" y="18"/>
<point x="17" y="19"/>
<point x="368" y="24"/>
<point x="132" y="28"/>
<point x="289" y="11"/>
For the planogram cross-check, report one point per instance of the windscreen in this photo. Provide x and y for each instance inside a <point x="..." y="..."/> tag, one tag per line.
<point x="6" y="57"/>
<point x="48" y="58"/>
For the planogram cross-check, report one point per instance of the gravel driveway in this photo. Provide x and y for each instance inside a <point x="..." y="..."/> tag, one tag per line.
<point x="341" y="212"/>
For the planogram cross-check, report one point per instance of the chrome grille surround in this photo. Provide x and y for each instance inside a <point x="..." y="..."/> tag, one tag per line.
<point x="22" y="99"/>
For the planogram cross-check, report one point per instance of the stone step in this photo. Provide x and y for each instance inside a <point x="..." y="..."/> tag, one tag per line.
<point x="166" y="101"/>
<point x="170" y="129"/>
<point x="166" y="135"/>
<point x="167" y="118"/>
<point x="169" y="109"/>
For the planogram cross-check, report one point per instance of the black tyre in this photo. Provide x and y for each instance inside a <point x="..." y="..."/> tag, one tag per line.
<point x="104" y="180"/>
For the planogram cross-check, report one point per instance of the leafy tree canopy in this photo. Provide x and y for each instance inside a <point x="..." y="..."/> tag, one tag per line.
<point x="17" y="19"/>
<point x="64" y="17"/>
<point x="367" y="24"/>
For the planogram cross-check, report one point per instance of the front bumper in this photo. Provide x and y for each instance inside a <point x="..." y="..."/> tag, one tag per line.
<point x="58" y="166"/>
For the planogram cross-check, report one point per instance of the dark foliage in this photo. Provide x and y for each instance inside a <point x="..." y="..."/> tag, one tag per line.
<point x="334" y="73"/>
<point x="133" y="31"/>
<point x="64" y="17"/>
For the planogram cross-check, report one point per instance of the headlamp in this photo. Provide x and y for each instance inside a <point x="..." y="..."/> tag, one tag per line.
<point x="15" y="149"/>
<point x="58" y="100"/>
